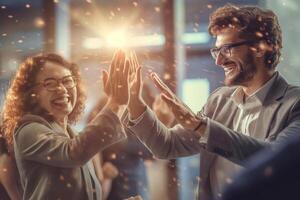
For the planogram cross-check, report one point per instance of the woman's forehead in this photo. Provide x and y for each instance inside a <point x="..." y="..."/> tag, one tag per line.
<point x="52" y="70"/>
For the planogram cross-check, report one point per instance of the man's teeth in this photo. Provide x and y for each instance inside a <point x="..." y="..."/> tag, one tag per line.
<point x="227" y="69"/>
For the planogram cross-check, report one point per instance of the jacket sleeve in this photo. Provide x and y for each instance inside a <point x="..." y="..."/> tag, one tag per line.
<point x="38" y="142"/>
<point x="238" y="147"/>
<point x="164" y="143"/>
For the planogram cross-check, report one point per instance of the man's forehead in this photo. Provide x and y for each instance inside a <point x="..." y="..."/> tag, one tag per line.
<point x="226" y="36"/>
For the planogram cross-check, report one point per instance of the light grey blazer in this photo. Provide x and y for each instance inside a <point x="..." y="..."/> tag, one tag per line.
<point x="279" y="120"/>
<point x="53" y="166"/>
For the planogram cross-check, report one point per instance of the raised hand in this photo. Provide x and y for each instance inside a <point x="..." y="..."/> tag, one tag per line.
<point x="163" y="112"/>
<point x="183" y="114"/>
<point x="116" y="81"/>
<point x="110" y="171"/>
<point x="136" y="105"/>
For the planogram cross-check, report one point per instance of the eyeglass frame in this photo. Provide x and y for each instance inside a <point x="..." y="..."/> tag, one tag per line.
<point x="58" y="81"/>
<point x="229" y="47"/>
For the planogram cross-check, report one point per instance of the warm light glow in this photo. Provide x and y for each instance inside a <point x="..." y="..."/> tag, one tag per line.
<point x="92" y="43"/>
<point x="122" y="39"/>
<point x="39" y="22"/>
<point x="147" y="40"/>
<point x="117" y="39"/>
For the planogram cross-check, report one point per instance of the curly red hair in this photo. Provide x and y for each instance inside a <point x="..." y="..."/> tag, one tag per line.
<point x="20" y="98"/>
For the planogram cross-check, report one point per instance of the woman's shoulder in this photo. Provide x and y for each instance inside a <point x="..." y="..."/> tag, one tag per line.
<point x="32" y="120"/>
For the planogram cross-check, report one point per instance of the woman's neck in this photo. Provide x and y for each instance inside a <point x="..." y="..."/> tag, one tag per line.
<point x="63" y="122"/>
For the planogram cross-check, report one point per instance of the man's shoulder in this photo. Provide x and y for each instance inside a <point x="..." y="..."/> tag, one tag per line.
<point x="291" y="97"/>
<point x="285" y="89"/>
<point x="293" y="90"/>
<point x="224" y="91"/>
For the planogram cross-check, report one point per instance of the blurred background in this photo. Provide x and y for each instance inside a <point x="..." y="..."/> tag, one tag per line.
<point x="169" y="36"/>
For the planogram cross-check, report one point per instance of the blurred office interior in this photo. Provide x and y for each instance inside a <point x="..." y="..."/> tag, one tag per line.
<point x="169" y="36"/>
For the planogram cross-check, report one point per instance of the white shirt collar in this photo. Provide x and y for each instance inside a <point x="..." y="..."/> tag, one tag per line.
<point x="258" y="96"/>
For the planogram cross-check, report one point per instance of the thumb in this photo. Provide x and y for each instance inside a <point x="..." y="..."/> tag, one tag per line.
<point x="104" y="81"/>
<point x="139" y="76"/>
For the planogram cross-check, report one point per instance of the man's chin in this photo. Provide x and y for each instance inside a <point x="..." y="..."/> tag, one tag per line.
<point x="230" y="81"/>
<point x="234" y="80"/>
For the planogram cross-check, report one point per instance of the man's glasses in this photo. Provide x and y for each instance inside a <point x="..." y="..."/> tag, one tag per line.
<point x="225" y="50"/>
<point x="51" y="84"/>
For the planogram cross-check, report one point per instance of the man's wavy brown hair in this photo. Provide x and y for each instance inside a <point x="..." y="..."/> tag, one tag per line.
<point x="254" y="23"/>
<point x="21" y="100"/>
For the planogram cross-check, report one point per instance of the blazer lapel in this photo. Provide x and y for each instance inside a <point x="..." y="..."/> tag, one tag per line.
<point x="89" y="174"/>
<point x="95" y="180"/>
<point x="87" y="181"/>
<point x="270" y="106"/>
<point x="225" y="116"/>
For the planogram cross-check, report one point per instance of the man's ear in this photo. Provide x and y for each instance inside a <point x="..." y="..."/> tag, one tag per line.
<point x="261" y="48"/>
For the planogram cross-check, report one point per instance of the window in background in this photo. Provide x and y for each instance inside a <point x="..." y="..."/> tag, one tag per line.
<point x="21" y="35"/>
<point x="288" y="15"/>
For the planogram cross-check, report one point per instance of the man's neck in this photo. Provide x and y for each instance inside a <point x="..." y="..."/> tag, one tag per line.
<point x="257" y="82"/>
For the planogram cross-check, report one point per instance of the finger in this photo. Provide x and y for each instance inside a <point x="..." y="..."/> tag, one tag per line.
<point x="126" y="74"/>
<point x="135" y="87"/>
<point x="119" y="65"/>
<point x="127" y="69"/>
<point x="132" y="64"/>
<point x="136" y="62"/>
<point x="161" y="85"/>
<point x="104" y="81"/>
<point x="177" y="109"/>
<point x="119" y="70"/>
<point x="113" y="62"/>
<point x="169" y="101"/>
<point x="139" y="77"/>
<point x="121" y="61"/>
<point x="131" y="60"/>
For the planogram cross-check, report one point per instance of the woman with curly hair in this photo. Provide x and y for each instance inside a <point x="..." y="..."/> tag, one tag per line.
<point x="44" y="98"/>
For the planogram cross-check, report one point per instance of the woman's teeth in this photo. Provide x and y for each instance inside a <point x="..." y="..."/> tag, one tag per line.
<point x="61" y="100"/>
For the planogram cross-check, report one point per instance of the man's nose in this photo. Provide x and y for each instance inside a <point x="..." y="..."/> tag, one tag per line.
<point x="220" y="59"/>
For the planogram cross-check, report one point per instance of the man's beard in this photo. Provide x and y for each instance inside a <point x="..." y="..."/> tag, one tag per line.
<point x="245" y="73"/>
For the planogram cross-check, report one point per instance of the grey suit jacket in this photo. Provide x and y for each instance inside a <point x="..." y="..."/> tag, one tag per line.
<point x="54" y="166"/>
<point x="279" y="119"/>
